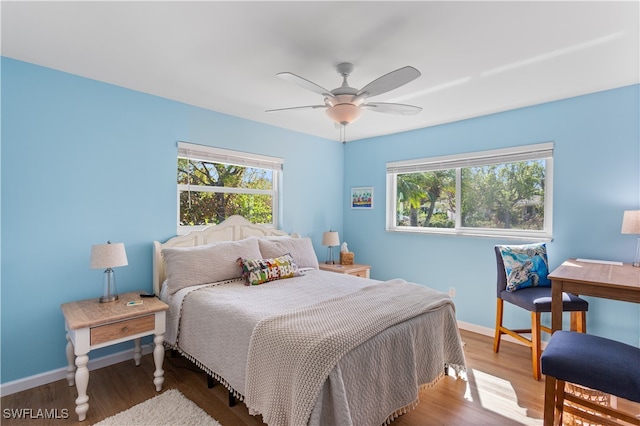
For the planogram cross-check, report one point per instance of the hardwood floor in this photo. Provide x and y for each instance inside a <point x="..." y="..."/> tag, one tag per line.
<point x="501" y="391"/>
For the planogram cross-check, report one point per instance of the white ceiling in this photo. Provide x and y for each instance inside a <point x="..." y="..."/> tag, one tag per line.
<point x="476" y="58"/>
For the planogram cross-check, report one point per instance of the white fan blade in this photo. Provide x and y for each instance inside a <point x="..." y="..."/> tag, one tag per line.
<point x="390" y="81"/>
<point x="390" y="108"/>
<point x="299" y="107"/>
<point x="304" y="83"/>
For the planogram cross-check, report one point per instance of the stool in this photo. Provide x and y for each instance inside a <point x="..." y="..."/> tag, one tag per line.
<point x="595" y="362"/>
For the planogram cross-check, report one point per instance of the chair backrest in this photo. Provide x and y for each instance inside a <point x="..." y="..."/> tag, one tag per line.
<point x="501" y="274"/>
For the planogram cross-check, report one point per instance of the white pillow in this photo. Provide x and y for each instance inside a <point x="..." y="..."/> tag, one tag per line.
<point x="300" y="249"/>
<point x="187" y="266"/>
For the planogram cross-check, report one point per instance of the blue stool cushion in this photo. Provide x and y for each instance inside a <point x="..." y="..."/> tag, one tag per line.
<point x="595" y="362"/>
<point x="538" y="299"/>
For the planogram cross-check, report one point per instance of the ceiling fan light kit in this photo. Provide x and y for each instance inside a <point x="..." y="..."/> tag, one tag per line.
<point x="345" y="104"/>
<point x="345" y="113"/>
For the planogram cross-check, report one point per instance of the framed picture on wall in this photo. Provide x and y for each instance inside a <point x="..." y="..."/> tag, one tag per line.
<point x="362" y="198"/>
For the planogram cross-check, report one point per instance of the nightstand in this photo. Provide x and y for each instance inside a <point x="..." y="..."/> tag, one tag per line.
<point x="92" y="325"/>
<point x="355" y="269"/>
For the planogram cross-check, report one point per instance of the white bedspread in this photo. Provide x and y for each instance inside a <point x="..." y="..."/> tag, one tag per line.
<point x="292" y="354"/>
<point x="217" y="323"/>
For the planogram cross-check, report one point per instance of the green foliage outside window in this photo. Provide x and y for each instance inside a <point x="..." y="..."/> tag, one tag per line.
<point x="504" y="196"/>
<point x="427" y="199"/>
<point x="209" y="199"/>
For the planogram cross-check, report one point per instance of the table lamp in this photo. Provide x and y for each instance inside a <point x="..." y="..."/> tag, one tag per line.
<point x="330" y="239"/>
<point x="631" y="225"/>
<point x="108" y="256"/>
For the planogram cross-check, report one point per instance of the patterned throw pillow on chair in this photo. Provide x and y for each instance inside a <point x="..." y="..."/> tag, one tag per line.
<point x="526" y="266"/>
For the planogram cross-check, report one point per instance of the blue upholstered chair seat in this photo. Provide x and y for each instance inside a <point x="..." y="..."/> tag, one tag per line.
<point x="538" y="299"/>
<point x="595" y="362"/>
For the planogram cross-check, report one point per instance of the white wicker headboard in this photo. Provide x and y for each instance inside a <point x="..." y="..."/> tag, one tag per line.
<point x="233" y="229"/>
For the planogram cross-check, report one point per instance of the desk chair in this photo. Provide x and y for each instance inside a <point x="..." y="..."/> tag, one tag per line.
<point x="536" y="300"/>
<point x="597" y="363"/>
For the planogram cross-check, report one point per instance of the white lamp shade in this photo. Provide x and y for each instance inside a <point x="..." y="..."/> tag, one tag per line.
<point x="108" y="256"/>
<point x="330" y="239"/>
<point x="631" y="222"/>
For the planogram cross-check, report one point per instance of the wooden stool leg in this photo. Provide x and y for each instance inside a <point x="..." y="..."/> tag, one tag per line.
<point x="536" y="348"/>
<point x="549" y="400"/>
<point x="559" y="402"/>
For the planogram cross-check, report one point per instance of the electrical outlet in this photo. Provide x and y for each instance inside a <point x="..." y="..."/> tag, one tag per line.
<point x="452" y="292"/>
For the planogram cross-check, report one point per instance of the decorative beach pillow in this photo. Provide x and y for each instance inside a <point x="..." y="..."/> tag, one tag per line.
<point x="300" y="249"/>
<point x="187" y="266"/>
<point x="526" y="266"/>
<point x="259" y="271"/>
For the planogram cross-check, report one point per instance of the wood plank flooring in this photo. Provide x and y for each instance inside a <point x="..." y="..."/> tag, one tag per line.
<point x="501" y="391"/>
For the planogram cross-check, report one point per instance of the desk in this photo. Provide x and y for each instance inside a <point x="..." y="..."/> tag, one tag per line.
<point x="92" y="325"/>
<point x="617" y="282"/>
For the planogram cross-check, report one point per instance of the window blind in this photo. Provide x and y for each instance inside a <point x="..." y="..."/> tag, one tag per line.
<point x="473" y="159"/>
<point x="227" y="156"/>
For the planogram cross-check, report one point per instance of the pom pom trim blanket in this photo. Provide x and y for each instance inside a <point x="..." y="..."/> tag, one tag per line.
<point x="374" y="380"/>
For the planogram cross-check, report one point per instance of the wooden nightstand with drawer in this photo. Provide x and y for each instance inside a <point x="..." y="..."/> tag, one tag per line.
<point x="355" y="269"/>
<point x="92" y="325"/>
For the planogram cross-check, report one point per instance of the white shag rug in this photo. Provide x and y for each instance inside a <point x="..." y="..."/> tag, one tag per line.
<point x="170" y="408"/>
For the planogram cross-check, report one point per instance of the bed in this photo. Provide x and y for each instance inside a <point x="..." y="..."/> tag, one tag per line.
<point x="305" y="347"/>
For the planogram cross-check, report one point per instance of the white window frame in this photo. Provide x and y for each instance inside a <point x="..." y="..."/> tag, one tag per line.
<point x="237" y="158"/>
<point x="542" y="151"/>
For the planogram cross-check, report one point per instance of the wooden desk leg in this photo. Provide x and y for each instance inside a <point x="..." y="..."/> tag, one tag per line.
<point x="71" y="368"/>
<point x="82" y="382"/>
<point x="158" y="357"/>
<point x="556" y="305"/>
<point x="137" y="351"/>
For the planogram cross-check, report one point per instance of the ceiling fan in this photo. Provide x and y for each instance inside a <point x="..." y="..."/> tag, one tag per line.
<point x="345" y="104"/>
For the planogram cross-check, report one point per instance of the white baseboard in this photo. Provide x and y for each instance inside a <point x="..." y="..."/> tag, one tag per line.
<point x="36" y="380"/>
<point x="485" y="331"/>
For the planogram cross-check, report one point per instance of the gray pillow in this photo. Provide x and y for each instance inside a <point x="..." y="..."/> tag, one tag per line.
<point x="187" y="266"/>
<point x="300" y="249"/>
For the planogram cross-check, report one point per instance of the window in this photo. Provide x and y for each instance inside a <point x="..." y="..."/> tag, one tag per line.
<point x="215" y="183"/>
<point x="502" y="193"/>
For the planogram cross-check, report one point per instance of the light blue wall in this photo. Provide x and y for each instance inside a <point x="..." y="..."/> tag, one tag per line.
<point x="596" y="178"/>
<point x="84" y="162"/>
